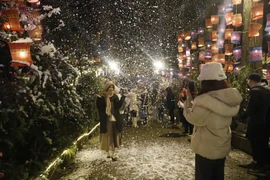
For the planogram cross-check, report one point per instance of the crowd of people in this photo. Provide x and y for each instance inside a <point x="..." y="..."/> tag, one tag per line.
<point x="206" y="115"/>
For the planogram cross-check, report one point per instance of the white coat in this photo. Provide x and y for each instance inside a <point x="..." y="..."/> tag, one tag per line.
<point x="211" y="114"/>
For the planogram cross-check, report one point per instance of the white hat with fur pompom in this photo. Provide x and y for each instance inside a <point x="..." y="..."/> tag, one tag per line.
<point x="212" y="71"/>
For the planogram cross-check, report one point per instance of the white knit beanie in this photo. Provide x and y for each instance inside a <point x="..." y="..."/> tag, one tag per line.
<point x="212" y="71"/>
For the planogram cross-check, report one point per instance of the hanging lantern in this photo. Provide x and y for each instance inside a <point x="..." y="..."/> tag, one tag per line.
<point x="254" y="29"/>
<point x="267" y="27"/>
<point x="228" y="49"/>
<point x="257" y="11"/>
<point x="268" y="48"/>
<point x="180" y="65"/>
<point x="200" y="30"/>
<point x="208" y="23"/>
<point x="255" y="54"/>
<point x="208" y="39"/>
<point x="228" y="5"/>
<point x="187" y="35"/>
<point x="20" y="53"/>
<point x="221" y="29"/>
<point x="228" y="18"/>
<point x="214" y="48"/>
<point x="200" y="42"/>
<point x="228" y="34"/>
<point x="179" y="38"/>
<point x="33" y="1"/>
<point x="214" y="19"/>
<point x="237" y="52"/>
<point x="36" y="34"/>
<point x="214" y="35"/>
<point x="221" y="9"/>
<point x="208" y="54"/>
<point x="201" y="55"/>
<point x="228" y="66"/>
<point x="188" y="63"/>
<point x="220" y="43"/>
<point x="237" y="20"/>
<point x="180" y="56"/>
<point x="11" y="17"/>
<point x="194" y="45"/>
<point x="193" y="34"/>
<point x="236" y="37"/>
<point x="180" y="48"/>
<point x="219" y="58"/>
<point x="236" y="2"/>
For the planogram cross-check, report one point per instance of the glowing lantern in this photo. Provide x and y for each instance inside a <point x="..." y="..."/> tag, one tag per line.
<point x="237" y="20"/>
<point x="228" y="5"/>
<point x="228" y="34"/>
<point x="221" y="29"/>
<point x="187" y="35"/>
<point x="208" y="39"/>
<point x="208" y="23"/>
<point x="228" y="18"/>
<point x="200" y="42"/>
<point x="187" y="52"/>
<point x="267" y="27"/>
<point x="193" y="33"/>
<point x="201" y="56"/>
<point x="194" y="45"/>
<point x="221" y="9"/>
<point x="180" y="48"/>
<point x="228" y="49"/>
<point x="268" y="48"/>
<point x="11" y="17"/>
<point x="180" y="56"/>
<point x="228" y="66"/>
<point x="257" y="11"/>
<point x="214" y="35"/>
<point x="214" y="19"/>
<point x="33" y="1"/>
<point x="208" y="54"/>
<point x="254" y="29"/>
<point x="255" y="54"/>
<point x="236" y="37"/>
<point x="237" y="52"/>
<point x="180" y="65"/>
<point x="20" y="53"/>
<point x="200" y="30"/>
<point x="179" y="38"/>
<point x="214" y="48"/>
<point x="236" y="2"/>
<point x="36" y="34"/>
<point x="219" y="58"/>
<point x="220" y="43"/>
<point x="188" y="63"/>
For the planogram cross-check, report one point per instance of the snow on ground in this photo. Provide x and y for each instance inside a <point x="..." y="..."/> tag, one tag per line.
<point x="155" y="152"/>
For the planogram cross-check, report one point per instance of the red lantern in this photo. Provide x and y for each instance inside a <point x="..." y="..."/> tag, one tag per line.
<point x="228" y="49"/>
<point x="214" y="35"/>
<point x="254" y="29"/>
<point x="228" y="17"/>
<point x="228" y="66"/>
<point x="11" y="16"/>
<point x="20" y="53"/>
<point x="36" y="34"/>
<point x="214" y="19"/>
<point x="219" y="58"/>
<point x="214" y="48"/>
<point x="194" y="45"/>
<point x="228" y="34"/>
<point x="237" y="20"/>
<point x="208" y="23"/>
<point x="200" y="42"/>
<point x="257" y="11"/>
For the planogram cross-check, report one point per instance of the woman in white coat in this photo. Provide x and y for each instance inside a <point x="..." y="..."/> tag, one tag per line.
<point x="211" y="114"/>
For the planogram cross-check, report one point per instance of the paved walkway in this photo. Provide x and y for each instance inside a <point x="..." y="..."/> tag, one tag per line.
<point x="157" y="151"/>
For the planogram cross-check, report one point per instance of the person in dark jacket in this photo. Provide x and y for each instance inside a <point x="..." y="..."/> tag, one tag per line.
<point x="5" y="59"/>
<point x="170" y="103"/>
<point x="111" y="123"/>
<point x="258" y="105"/>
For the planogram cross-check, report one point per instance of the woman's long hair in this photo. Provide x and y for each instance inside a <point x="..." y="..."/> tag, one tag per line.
<point x="213" y="85"/>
